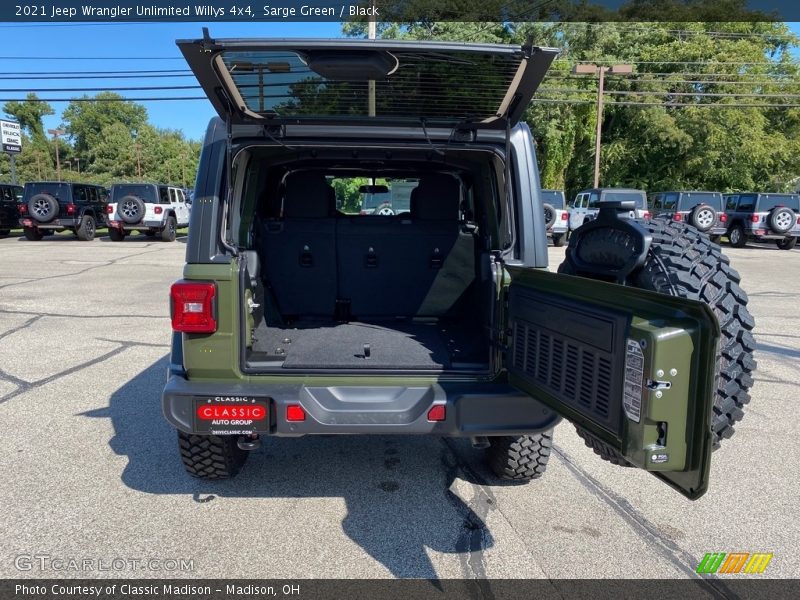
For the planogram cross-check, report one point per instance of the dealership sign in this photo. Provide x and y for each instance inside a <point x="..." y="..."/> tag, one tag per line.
<point x="11" y="137"/>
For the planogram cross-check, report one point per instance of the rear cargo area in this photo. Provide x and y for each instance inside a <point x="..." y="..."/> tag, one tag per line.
<point x="410" y="291"/>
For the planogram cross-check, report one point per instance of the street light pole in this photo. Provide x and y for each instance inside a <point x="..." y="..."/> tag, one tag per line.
<point x="372" y="31"/>
<point x="55" y="133"/>
<point x="601" y="71"/>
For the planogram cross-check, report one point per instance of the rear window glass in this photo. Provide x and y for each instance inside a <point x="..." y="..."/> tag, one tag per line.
<point x="553" y="197"/>
<point x="638" y="197"/>
<point x="60" y="191"/>
<point x="409" y="84"/>
<point x="770" y="201"/>
<point x="145" y="192"/>
<point x="690" y="200"/>
<point x="372" y="196"/>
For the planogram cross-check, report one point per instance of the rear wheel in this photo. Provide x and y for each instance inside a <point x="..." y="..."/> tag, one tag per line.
<point x="520" y="458"/>
<point x="683" y="262"/>
<point x="787" y="243"/>
<point x="168" y="233"/>
<point x="736" y="236"/>
<point x="86" y="229"/>
<point x="116" y="235"/>
<point x="210" y="456"/>
<point x="32" y="234"/>
<point x="716" y="238"/>
<point x="558" y="240"/>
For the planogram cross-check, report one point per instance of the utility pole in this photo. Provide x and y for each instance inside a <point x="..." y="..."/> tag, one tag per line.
<point x="371" y="34"/>
<point x="138" y="160"/>
<point x="78" y="164"/>
<point x="601" y="71"/>
<point x="55" y="133"/>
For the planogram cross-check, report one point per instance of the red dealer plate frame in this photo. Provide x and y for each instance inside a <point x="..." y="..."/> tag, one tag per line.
<point x="231" y="415"/>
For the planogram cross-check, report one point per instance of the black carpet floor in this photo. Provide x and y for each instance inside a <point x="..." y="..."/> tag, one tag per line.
<point x="392" y="345"/>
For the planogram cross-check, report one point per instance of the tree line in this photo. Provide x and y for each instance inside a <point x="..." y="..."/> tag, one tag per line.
<point x="106" y="140"/>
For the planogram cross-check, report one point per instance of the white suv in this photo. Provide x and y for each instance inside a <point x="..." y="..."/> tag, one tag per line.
<point x="587" y="204"/>
<point x="150" y="208"/>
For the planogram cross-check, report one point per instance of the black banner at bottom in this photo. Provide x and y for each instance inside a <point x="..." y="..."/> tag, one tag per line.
<point x="445" y="589"/>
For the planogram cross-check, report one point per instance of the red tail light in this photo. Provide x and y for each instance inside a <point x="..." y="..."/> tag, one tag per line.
<point x="755" y="218"/>
<point x="677" y="217"/>
<point x="23" y="209"/>
<point x="193" y="306"/>
<point x="109" y="209"/>
<point x="295" y="412"/>
<point x="646" y="215"/>
<point x="158" y="210"/>
<point x="70" y="209"/>
<point x="437" y="413"/>
<point x="564" y="216"/>
<point x="723" y="218"/>
<point x="798" y="220"/>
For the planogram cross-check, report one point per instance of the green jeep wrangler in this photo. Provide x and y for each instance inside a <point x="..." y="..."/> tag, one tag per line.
<point x="299" y="315"/>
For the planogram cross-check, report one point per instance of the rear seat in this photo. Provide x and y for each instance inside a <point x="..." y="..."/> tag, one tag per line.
<point x="299" y="250"/>
<point x="407" y="266"/>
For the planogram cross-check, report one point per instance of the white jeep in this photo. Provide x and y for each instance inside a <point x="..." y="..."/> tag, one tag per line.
<point x="150" y="208"/>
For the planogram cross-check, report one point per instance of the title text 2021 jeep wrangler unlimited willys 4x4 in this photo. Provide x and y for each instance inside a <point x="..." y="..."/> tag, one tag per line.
<point x="295" y="319"/>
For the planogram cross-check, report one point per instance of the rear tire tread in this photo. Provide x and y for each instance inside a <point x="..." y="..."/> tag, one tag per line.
<point x="210" y="456"/>
<point x="520" y="458"/>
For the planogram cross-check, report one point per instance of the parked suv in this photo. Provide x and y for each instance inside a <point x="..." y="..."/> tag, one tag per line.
<point x="53" y="206"/>
<point x="10" y="196"/>
<point x="293" y="318"/>
<point x="703" y="210"/>
<point x="587" y="204"/>
<point x="763" y="217"/>
<point x="149" y="208"/>
<point x="556" y="216"/>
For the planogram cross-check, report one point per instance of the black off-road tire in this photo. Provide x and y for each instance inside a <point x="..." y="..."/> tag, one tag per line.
<point x="737" y="237"/>
<point x="549" y="215"/>
<point x="558" y="239"/>
<point x="43" y="208"/>
<point x="86" y="229"/>
<point x="210" y="456"/>
<point x="116" y="235"/>
<point x="685" y="263"/>
<point x="32" y="234"/>
<point x="131" y="209"/>
<point x="787" y="243"/>
<point x="520" y="458"/>
<point x="716" y="239"/>
<point x="169" y="232"/>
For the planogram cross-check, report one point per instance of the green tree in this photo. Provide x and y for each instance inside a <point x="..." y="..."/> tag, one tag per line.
<point x="30" y="113"/>
<point x="84" y="120"/>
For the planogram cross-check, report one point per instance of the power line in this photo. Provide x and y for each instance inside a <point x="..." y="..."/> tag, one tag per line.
<point x="148" y="88"/>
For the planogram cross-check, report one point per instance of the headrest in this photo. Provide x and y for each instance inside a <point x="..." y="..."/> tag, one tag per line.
<point x="436" y="198"/>
<point x="308" y="195"/>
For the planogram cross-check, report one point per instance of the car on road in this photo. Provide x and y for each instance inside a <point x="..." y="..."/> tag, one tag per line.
<point x="763" y="217"/>
<point x="152" y="209"/>
<point x="53" y="206"/>
<point x="586" y="205"/>
<point x="703" y="210"/>
<point x="294" y="319"/>
<point x="10" y="196"/>
<point x="556" y="216"/>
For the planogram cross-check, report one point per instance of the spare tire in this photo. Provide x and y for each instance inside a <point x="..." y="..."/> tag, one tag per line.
<point x="781" y="219"/>
<point x="43" y="207"/>
<point x="685" y="263"/>
<point x="549" y="215"/>
<point x="131" y="209"/>
<point x="703" y="217"/>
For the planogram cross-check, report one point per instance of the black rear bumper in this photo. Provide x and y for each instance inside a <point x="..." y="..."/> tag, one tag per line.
<point x="471" y="409"/>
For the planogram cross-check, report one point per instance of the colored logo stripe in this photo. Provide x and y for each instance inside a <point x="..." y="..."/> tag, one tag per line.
<point x="734" y="562"/>
<point x="711" y="562"/>
<point x="758" y="562"/>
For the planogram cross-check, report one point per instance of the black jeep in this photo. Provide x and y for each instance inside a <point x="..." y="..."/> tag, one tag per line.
<point x="10" y="195"/>
<point x="52" y="206"/>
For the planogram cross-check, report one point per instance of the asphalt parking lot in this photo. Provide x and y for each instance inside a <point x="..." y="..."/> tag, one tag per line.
<point x="92" y="472"/>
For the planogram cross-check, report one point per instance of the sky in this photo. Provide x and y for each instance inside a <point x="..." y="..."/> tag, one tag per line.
<point x="127" y="47"/>
<point x="147" y="46"/>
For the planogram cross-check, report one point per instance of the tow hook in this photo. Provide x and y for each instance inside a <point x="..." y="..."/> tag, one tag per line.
<point x="249" y="442"/>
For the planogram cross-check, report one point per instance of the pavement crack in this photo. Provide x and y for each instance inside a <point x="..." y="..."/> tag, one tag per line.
<point x="25" y="386"/>
<point x="25" y="325"/>
<point x="645" y="529"/>
<point x="68" y="316"/>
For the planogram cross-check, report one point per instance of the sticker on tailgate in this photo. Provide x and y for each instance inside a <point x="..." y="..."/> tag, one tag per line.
<point x="634" y="373"/>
